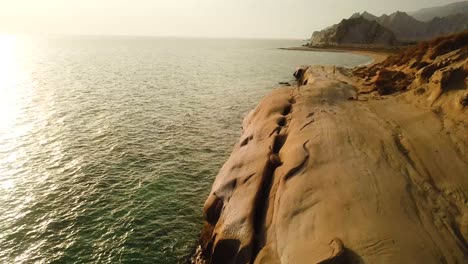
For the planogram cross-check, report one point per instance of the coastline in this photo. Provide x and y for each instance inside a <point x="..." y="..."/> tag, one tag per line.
<point x="377" y="55"/>
<point x="328" y="172"/>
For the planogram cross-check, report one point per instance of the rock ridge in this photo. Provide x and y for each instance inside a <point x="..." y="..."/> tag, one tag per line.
<point x="325" y="172"/>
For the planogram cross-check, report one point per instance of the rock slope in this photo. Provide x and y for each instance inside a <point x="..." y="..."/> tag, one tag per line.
<point x="432" y="74"/>
<point x="322" y="174"/>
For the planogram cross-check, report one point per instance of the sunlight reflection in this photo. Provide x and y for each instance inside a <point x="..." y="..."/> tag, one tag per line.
<point x="10" y="75"/>
<point x="8" y="184"/>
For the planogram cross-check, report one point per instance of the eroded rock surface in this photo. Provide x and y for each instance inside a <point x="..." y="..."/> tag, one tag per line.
<point x="431" y="74"/>
<point x="319" y="178"/>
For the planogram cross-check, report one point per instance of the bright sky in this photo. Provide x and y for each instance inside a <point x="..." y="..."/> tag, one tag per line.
<point x="196" y="18"/>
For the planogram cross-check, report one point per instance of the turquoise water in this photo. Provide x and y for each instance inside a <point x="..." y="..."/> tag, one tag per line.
<point x="109" y="146"/>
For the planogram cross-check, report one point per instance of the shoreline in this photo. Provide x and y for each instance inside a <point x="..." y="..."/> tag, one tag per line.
<point x="377" y="55"/>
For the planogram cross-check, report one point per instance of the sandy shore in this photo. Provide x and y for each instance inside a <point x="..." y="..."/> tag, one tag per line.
<point x="377" y="56"/>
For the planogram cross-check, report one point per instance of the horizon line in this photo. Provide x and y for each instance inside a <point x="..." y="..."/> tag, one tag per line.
<point x="148" y="36"/>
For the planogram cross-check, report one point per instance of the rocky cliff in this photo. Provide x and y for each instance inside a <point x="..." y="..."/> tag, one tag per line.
<point x="399" y="25"/>
<point x="331" y="171"/>
<point x="354" y="31"/>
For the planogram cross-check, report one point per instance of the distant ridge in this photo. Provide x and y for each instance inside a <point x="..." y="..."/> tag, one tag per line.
<point x="396" y="28"/>
<point x="365" y="15"/>
<point x="427" y="14"/>
<point x="405" y="27"/>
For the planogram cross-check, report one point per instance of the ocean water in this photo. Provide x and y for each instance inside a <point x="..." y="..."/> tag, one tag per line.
<point x="109" y="145"/>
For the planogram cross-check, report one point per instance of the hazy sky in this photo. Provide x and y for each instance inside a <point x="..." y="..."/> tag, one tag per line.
<point x="207" y="18"/>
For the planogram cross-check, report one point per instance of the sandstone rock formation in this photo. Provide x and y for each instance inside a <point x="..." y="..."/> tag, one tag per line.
<point x="435" y="72"/>
<point x="322" y="174"/>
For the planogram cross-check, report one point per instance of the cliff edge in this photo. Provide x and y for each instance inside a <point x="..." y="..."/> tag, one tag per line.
<point x="324" y="173"/>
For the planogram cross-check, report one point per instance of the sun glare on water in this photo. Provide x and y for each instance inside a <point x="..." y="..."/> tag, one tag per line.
<point x="10" y="76"/>
<point x="11" y="91"/>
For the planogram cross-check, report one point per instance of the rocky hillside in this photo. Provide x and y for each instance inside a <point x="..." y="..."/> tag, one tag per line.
<point x="355" y="31"/>
<point x="407" y="28"/>
<point x="433" y="73"/>
<point x="403" y="27"/>
<point x="427" y="14"/>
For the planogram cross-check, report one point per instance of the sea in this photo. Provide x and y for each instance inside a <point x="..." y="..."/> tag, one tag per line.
<point x="109" y="145"/>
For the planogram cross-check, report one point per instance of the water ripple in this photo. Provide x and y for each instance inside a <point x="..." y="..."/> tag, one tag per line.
<point x="111" y="144"/>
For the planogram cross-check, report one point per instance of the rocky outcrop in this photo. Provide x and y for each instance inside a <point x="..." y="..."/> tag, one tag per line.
<point x="354" y="31"/>
<point x="322" y="174"/>
<point x="433" y="73"/>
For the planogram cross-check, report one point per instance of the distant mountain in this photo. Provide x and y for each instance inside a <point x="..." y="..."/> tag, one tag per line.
<point x="404" y="26"/>
<point x="407" y="28"/>
<point x="354" y="31"/>
<point x="365" y="15"/>
<point x="446" y="25"/>
<point x="388" y="30"/>
<point x="427" y="14"/>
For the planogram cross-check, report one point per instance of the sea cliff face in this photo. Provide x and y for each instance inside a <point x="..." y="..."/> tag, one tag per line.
<point x="325" y="174"/>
